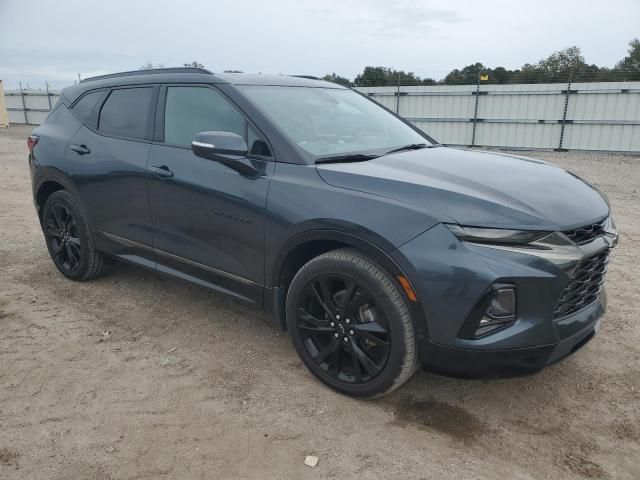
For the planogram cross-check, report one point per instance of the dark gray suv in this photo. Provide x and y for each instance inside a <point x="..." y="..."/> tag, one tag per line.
<point x="376" y="248"/>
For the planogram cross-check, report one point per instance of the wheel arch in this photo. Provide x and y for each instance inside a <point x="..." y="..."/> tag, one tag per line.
<point x="307" y="245"/>
<point x="48" y="181"/>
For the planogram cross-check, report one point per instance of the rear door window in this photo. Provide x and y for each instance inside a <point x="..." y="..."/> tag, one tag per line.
<point x="191" y="110"/>
<point x="126" y="112"/>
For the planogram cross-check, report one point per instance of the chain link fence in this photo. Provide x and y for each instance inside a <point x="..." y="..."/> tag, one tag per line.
<point x="586" y="110"/>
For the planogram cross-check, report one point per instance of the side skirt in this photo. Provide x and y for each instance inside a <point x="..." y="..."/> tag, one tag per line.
<point x="177" y="267"/>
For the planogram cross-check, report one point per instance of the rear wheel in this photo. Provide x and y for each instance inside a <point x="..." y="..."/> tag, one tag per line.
<point x="69" y="238"/>
<point x="351" y="325"/>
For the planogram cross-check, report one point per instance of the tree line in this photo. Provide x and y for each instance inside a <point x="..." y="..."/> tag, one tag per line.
<point x="560" y="66"/>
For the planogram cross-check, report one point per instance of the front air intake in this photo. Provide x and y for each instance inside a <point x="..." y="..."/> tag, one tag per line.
<point x="585" y="284"/>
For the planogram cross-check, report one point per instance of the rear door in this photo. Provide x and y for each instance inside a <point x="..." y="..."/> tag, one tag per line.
<point x="208" y="219"/>
<point x="110" y="152"/>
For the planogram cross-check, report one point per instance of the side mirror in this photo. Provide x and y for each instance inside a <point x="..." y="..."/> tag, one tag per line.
<point x="228" y="148"/>
<point x="210" y="144"/>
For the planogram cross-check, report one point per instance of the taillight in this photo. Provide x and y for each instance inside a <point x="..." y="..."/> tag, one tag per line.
<point x="32" y="140"/>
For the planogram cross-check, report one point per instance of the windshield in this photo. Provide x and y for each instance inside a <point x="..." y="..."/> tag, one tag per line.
<point x="327" y="122"/>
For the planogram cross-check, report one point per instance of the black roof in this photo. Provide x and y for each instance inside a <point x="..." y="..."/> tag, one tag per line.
<point x="190" y="75"/>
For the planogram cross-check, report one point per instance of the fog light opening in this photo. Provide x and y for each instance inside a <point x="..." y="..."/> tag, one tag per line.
<point x="500" y="313"/>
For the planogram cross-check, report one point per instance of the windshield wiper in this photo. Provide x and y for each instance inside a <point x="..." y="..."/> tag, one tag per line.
<point x="411" y="146"/>
<point x="353" y="157"/>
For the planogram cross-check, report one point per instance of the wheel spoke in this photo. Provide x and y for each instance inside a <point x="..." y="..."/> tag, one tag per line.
<point x="349" y="290"/>
<point x="54" y="232"/>
<point x="373" y="339"/>
<point x="312" y="325"/>
<point x="58" y="249"/>
<point x="57" y="216"/>
<point x="71" y="257"/>
<point x="323" y="296"/>
<point x="369" y="327"/>
<point x="74" y="241"/>
<point x="311" y="330"/>
<point x="368" y="364"/>
<point x="308" y="318"/>
<point x="334" y="360"/>
<point x="357" y="368"/>
<point x="76" y="251"/>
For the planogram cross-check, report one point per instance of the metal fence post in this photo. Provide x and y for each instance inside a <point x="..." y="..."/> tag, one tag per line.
<point x="398" y="95"/>
<point x="46" y="84"/>
<point x="475" y="112"/>
<point x="563" y="122"/>
<point x="24" y="105"/>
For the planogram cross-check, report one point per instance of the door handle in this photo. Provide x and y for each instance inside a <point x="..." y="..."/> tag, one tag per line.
<point x="162" y="171"/>
<point x="80" y="149"/>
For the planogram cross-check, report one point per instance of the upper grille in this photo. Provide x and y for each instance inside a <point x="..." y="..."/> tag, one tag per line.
<point x="585" y="284"/>
<point x="587" y="233"/>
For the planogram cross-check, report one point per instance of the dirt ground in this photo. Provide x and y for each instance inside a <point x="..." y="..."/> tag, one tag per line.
<point x="192" y="385"/>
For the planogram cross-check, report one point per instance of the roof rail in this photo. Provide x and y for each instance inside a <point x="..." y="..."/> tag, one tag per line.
<point x="308" y="77"/>
<point x="150" y="71"/>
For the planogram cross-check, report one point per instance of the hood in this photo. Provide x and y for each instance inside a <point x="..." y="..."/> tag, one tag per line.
<point x="476" y="188"/>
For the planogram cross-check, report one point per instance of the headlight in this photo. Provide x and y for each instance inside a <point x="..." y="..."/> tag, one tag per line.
<point x="496" y="236"/>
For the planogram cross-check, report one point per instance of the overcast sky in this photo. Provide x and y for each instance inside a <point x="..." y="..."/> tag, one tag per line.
<point x="54" y="40"/>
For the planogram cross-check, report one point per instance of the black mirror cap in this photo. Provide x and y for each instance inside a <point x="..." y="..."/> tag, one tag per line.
<point x="211" y="144"/>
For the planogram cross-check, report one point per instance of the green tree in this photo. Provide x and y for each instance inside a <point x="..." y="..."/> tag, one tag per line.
<point x="559" y="67"/>
<point x="629" y="67"/>
<point x="194" y="64"/>
<point x="337" y="79"/>
<point x="150" y="66"/>
<point x="467" y="76"/>
<point x="501" y="75"/>
<point x="372" y="77"/>
<point x="383" y="76"/>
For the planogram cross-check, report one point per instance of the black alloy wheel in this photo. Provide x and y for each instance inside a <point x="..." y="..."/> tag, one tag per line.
<point x="69" y="238"/>
<point x="350" y="323"/>
<point x="342" y="328"/>
<point x="63" y="238"/>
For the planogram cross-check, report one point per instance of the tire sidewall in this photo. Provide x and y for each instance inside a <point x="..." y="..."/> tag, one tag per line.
<point x="65" y="199"/>
<point x="397" y="330"/>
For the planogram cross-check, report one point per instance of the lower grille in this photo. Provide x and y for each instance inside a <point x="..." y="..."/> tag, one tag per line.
<point x="585" y="285"/>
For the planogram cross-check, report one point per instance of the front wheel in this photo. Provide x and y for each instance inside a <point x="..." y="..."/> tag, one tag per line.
<point x="351" y="325"/>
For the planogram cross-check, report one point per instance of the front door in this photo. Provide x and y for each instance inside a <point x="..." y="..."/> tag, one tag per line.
<point x="208" y="220"/>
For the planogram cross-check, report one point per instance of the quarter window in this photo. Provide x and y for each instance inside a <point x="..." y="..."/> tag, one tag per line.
<point x="190" y="110"/>
<point x="86" y="104"/>
<point x="126" y="112"/>
<point x="257" y="144"/>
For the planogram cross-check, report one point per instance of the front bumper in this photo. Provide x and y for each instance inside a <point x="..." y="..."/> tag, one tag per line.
<point x="451" y="277"/>
<point x="467" y="363"/>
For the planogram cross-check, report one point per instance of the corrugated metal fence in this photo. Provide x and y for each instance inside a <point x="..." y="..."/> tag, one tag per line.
<point x="581" y="116"/>
<point x="30" y="106"/>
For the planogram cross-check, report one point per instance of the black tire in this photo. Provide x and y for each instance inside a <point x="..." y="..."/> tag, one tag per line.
<point x="376" y="346"/>
<point x="69" y="239"/>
